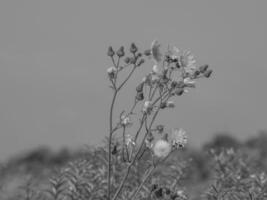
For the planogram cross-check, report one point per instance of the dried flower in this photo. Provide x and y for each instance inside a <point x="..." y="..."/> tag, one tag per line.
<point x="129" y="140"/>
<point x="156" y="69"/>
<point x="179" y="138"/>
<point x="147" y="108"/>
<point x="125" y="120"/>
<point x="161" y="148"/>
<point x="111" y="72"/>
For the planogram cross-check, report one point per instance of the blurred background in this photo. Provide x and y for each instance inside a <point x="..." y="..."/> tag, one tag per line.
<point x="54" y="88"/>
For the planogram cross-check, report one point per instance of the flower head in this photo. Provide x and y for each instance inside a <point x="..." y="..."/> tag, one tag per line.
<point x="129" y="140"/>
<point x="125" y="120"/>
<point x="161" y="148"/>
<point x="179" y="138"/>
<point x="185" y="60"/>
<point x="111" y="72"/>
<point x="147" y="108"/>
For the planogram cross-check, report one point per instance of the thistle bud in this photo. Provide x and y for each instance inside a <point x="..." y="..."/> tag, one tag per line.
<point x="163" y="105"/>
<point x="110" y="52"/>
<point x="170" y="104"/>
<point x="203" y="68"/>
<point x="133" y="48"/>
<point x="139" y="96"/>
<point x="140" y="62"/>
<point x="140" y="87"/>
<point x="127" y="60"/>
<point x="120" y="52"/>
<point x="179" y="91"/>
<point x="208" y="73"/>
<point x="147" y="52"/>
<point x="160" y="128"/>
<point x="111" y="72"/>
<point x="133" y="60"/>
<point x="174" y="84"/>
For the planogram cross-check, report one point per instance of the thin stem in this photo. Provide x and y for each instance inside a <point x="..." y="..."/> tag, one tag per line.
<point x="110" y="138"/>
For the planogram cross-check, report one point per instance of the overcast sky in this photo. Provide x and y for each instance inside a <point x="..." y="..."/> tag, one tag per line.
<point x="53" y="63"/>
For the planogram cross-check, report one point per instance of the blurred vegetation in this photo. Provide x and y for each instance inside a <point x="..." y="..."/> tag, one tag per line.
<point x="224" y="168"/>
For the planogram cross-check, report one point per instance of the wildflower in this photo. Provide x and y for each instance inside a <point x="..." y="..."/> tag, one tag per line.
<point x="185" y="60"/>
<point x="179" y="138"/>
<point x="170" y="104"/>
<point x="155" y="51"/>
<point x="125" y="120"/>
<point x="147" y="108"/>
<point x="156" y="69"/>
<point x="129" y="140"/>
<point x="111" y="72"/>
<point x="148" y="140"/>
<point x="139" y="96"/>
<point x="161" y="148"/>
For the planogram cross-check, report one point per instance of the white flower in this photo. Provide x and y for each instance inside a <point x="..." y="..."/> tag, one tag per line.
<point x="179" y="138"/>
<point x="188" y="62"/>
<point x="185" y="59"/>
<point x="161" y="148"/>
<point x="129" y="140"/>
<point x="125" y="120"/>
<point x="147" y="108"/>
<point x="111" y="72"/>
<point x="155" y="51"/>
<point x="156" y="69"/>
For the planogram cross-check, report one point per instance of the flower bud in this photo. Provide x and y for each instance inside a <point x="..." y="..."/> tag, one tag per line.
<point x="170" y="104"/>
<point x="127" y="60"/>
<point x="179" y="91"/>
<point x="203" y="68"/>
<point x="208" y="73"/>
<point x="133" y="60"/>
<point x="111" y="72"/>
<point x="160" y="128"/>
<point x="110" y="52"/>
<point x="140" y="62"/>
<point x="174" y="84"/>
<point x="163" y="105"/>
<point x="120" y="52"/>
<point x="133" y="48"/>
<point x="147" y="52"/>
<point x="139" y="96"/>
<point x="140" y="87"/>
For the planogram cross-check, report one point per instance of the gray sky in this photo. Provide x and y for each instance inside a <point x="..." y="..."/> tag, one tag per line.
<point x="53" y="65"/>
